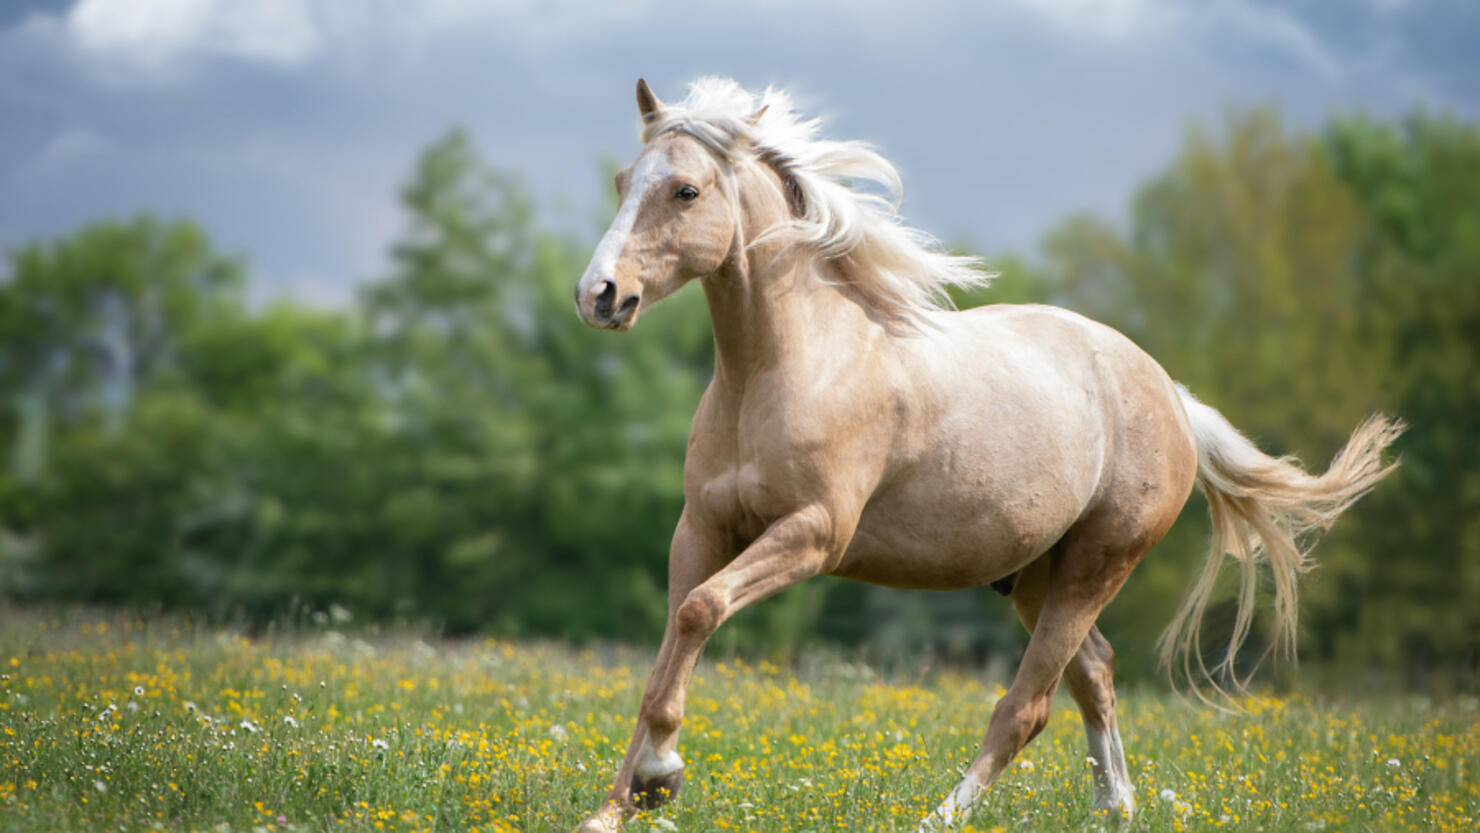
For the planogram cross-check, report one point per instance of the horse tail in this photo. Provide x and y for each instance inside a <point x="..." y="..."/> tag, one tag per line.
<point x="1264" y="508"/>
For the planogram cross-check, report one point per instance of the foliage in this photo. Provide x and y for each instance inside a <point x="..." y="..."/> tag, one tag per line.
<point x="122" y="724"/>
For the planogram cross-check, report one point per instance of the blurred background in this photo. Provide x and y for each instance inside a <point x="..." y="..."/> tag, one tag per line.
<point x="285" y="317"/>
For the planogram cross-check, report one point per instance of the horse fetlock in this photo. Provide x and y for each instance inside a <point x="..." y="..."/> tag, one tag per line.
<point x="649" y="791"/>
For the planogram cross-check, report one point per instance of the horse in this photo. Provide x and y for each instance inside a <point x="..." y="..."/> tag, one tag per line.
<point x="857" y="425"/>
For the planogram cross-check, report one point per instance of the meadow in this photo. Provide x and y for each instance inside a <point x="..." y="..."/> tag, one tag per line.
<point x="117" y="723"/>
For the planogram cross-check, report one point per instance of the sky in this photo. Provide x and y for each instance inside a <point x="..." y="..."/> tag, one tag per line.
<point x="285" y="127"/>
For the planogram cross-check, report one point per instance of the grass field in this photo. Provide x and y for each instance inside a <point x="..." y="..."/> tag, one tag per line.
<point x="115" y="724"/>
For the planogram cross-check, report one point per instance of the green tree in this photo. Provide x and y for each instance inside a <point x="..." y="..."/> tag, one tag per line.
<point x="90" y="326"/>
<point x="541" y="460"/>
<point x="90" y="318"/>
<point x="1411" y="607"/>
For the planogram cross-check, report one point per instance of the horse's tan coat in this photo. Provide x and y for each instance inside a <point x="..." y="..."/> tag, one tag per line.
<point x="834" y="440"/>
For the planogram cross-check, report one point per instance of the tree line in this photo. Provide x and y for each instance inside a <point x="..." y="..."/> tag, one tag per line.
<point x="455" y="446"/>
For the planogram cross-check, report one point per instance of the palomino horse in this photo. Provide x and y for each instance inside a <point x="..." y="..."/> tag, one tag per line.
<point x="856" y="428"/>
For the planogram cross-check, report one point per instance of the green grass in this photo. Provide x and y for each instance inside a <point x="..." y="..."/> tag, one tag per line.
<point x="119" y="724"/>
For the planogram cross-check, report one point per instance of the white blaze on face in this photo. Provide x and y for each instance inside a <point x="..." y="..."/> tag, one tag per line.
<point x="651" y="169"/>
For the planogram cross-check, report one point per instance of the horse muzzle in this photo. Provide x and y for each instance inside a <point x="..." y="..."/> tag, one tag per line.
<point x="597" y="304"/>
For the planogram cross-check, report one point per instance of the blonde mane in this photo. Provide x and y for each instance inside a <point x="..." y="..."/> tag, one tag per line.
<point x="901" y="271"/>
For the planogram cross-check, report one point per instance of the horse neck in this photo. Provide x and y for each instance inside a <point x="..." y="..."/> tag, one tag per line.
<point x="777" y="310"/>
<point x="774" y="305"/>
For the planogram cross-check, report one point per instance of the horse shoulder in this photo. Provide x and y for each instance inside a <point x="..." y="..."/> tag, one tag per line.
<point x="792" y="440"/>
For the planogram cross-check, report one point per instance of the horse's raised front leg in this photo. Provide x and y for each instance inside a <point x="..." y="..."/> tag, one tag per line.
<point x="691" y="560"/>
<point x="1082" y="578"/>
<point x="794" y="548"/>
<point x="1091" y="681"/>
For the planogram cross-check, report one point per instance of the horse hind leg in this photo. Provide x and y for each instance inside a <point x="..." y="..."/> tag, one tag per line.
<point x="1090" y="677"/>
<point x="1059" y="597"/>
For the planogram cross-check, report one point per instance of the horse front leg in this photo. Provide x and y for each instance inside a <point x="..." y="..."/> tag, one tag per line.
<point x="794" y="548"/>
<point x="691" y="560"/>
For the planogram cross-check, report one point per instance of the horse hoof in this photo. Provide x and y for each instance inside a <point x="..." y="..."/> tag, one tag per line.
<point x="607" y="820"/>
<point x="648" y="793"/>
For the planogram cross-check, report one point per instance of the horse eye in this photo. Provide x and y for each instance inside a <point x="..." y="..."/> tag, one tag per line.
<point x="687" y="193"/>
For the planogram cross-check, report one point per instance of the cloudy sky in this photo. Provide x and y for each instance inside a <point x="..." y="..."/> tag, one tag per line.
<point x="285" y="126"/>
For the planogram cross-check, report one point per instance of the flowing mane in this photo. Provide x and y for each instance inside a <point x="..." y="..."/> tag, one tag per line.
<point x="901" y="271"/>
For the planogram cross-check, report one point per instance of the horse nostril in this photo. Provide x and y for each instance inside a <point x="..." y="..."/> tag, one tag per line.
<point x="628" y="304"/>
<point x="605" y="299"/>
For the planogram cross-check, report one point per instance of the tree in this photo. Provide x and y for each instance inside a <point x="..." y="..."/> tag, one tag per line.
<point x="90" y="318"/>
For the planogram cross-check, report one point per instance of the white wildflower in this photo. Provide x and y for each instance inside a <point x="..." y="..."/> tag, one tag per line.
<point x="100" y="786"/>
<point x="1394" y="763"/>
<point x="249" y="726"/>
<point x="138" y="691"/>
<point x="1167" y="795"/>
<point x="1026" y="765"/>
<point x="379" y="744"/>
<point x="290" y="720"/>
<point x="558" y="733"/>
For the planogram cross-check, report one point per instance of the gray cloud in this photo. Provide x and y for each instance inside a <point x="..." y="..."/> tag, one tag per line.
<point x="285" y="125"/>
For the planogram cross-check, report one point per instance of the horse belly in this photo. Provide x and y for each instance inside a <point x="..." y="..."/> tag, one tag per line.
<point x="942" y="545"/>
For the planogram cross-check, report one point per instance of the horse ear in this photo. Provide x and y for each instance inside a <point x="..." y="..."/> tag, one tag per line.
<point x="647" y="103"/>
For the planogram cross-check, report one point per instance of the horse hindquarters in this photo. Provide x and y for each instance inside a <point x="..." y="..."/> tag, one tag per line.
<point x="1145" y="482"/>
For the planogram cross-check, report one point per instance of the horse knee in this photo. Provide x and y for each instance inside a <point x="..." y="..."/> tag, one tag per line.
<point x="700" y="614"/>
